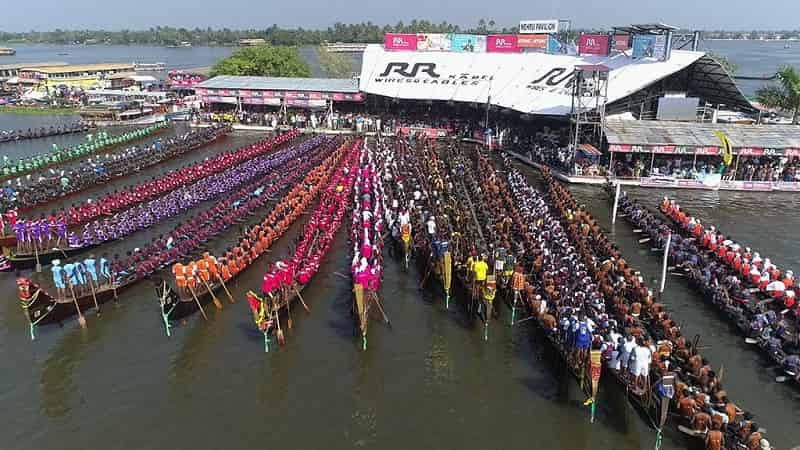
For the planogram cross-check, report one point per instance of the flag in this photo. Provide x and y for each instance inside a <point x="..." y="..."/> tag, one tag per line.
<point x="727" y="148"/>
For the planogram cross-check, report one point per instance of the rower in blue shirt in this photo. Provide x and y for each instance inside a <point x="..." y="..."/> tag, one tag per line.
<point x="58" y="278"/>
<point x="105" y="270"/>
<point x="71" y="276"/>
<point x="91" y="269"/>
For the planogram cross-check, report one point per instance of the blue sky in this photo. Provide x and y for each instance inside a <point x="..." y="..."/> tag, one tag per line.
<point x="138" y="14"/>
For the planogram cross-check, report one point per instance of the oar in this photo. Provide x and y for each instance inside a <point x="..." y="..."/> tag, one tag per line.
<point x="81" y="319"/>
<point x="750" y="341"/>
<point x="378" y="302"/>
<point x="217" y="303"/>
<point x="36" y="254"/>
<point x="289" y="311"/>
<point x="281" y="337"/>
<point x="222" y="282"/>
<point x="637" y="230"/>
<point x="94" y="297"/>
<point x="197" y="300"/>
<point x="524" y="320"/>
<point x="300" y="297"/>
<point x="642" y="241"/>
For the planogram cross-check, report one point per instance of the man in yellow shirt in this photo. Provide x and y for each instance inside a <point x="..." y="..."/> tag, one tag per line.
<point x="479" y="270"/>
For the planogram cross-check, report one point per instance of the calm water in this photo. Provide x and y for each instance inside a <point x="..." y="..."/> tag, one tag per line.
<point x="174" y="58"/>
<point x="428" y="381"/>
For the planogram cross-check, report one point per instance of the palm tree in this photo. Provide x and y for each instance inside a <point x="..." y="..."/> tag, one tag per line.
<point x="785" y="94"/>
<point x="482" y="26"/>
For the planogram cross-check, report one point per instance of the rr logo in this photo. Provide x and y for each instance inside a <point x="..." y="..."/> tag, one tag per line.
<point x="401" y="68"/>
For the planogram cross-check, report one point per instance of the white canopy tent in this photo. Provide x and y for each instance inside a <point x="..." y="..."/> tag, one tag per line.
<point x="533" y="83"/>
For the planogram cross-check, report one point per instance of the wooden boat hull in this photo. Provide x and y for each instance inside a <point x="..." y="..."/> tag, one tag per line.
<point x="28" y="261"/>
<point x="48" y="310"/>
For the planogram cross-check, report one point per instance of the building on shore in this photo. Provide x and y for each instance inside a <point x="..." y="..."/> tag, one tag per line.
<point x="252" y="42"/>
<point x="83" y="76"/>
<point x="262" y="93"/>
<point x="9" y="72"/>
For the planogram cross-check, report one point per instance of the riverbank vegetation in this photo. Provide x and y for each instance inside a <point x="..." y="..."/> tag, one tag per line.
<point x="783" y="95"/>
<point x="263" y="61"/>
<point x="335" y="65"/>
<point x="365" y="32"/>
<point x="36" y="110"/>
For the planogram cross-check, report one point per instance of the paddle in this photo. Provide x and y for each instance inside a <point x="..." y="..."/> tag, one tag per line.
<point x="281" y="337"/>
<point x="81" y="319"/>
<point x="36" y="254"/>
<point x="197" y="300"/>
<point x="378" y="302"/>
<point x="300" y="297"/>
<point x="750" y="341"/>
<point x="642" y="241"/>
<point x="222" y="282"/>
<point x="94" y="296"/>
<point x="637" y="230"/>
<point x="288" y="310"/>
<point x="217" y="303"/>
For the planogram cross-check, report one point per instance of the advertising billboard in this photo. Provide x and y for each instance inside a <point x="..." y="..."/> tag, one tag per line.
<point x="433" y="42"/>
<point x="399" y="41"/>
<point x="650" y="46"/>
<point x="467" y="43"/>
<point x="502" y="43"/>
<point x="535" y="41"/>
<point x="622" y="42"/>
<point x="554" y="47"/>
<point x="593" y="44"/>
<point x="538" y="26"/>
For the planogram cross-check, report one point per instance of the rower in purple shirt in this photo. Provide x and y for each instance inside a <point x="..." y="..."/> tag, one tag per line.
<point x="19" y="232"/>
<point x="31" y="233"/>
<point x="44" y="230"/>
<point x="61" y="230"/>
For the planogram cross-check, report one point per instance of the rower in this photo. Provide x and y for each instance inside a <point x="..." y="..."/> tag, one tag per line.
<point x="91" y="268"/>
<point x="479" y="269"/>
<point x="58" y="278"/>
<point x="715" y="440"/>
<point x="179" y="270"/>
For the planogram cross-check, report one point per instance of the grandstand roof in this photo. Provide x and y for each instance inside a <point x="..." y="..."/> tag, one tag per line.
<point x="682" y="134"/>
<point x="343" y="85"/>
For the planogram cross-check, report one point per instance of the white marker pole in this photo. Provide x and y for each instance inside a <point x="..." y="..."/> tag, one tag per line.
<point x="616" y="202"/>
<point x="666" y="258"/>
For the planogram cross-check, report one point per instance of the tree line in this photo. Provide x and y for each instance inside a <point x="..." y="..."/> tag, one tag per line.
<point x="365" y="32"/>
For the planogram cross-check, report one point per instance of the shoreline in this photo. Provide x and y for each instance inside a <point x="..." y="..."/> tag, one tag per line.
<point x="36" y="111"/>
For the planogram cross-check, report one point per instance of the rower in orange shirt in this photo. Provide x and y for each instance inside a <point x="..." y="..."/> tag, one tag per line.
<point x="179" y="271"/>
<point x="191" y="275"/>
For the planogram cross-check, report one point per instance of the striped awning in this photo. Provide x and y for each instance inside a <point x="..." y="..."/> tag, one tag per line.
<point x="589" y="149"/>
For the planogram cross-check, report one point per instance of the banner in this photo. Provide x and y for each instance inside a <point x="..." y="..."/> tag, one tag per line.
<point x="622" y="42"/>
<point x="650" y="46"/>
<point x="467" y="43"/>
<point x="554" y="47"/>
<point x="593" y="44"/>
<point x="261" y="101"/>
<point x="537" y="41"/>
<point x="433" y="42"/>
<point x="433" y="133"/>
<point x="399" y="41"/>
<point x="538" y="26"/>
<point x="502" y="43"/>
